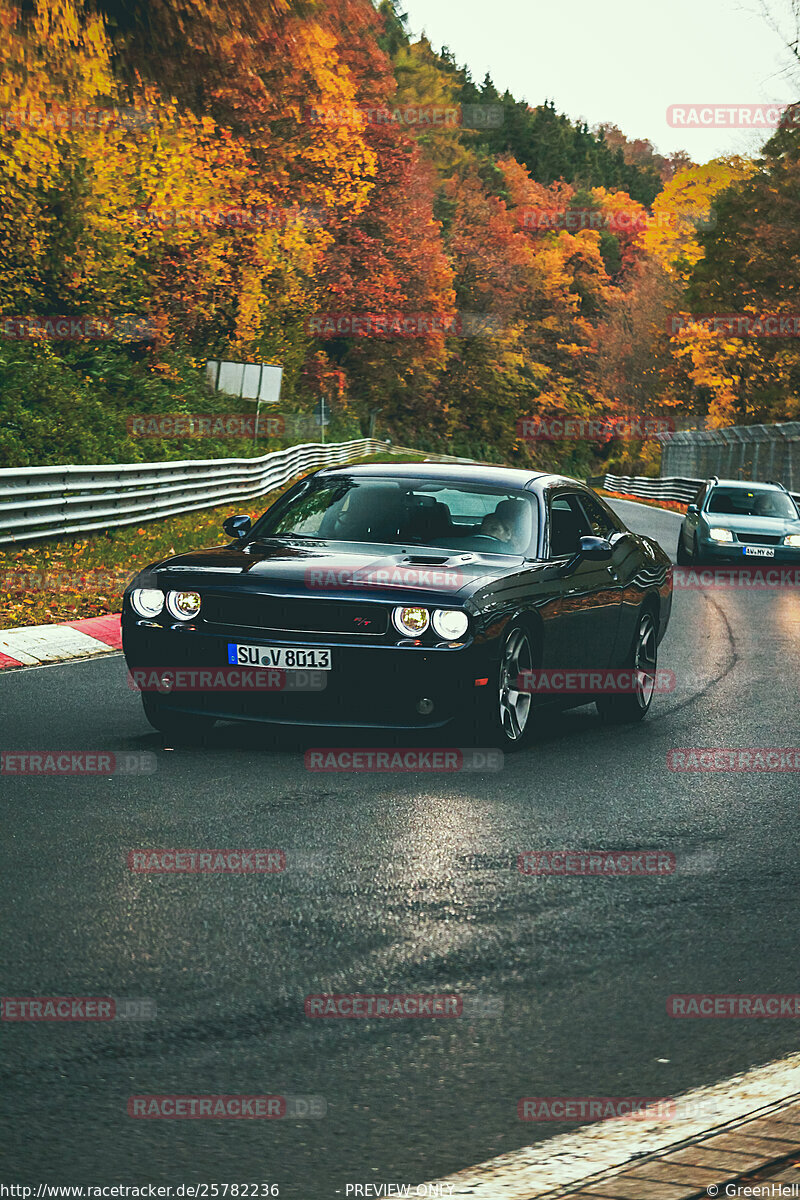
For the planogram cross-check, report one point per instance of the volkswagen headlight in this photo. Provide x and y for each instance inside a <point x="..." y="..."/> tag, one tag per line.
<point x="720" y="535"/>
<point x="183" y="605"/>
<point x="792" y="539"/>
<point x="147" y="602"/>
<point x="411" y="621"/>
<point x="450" y="623"/>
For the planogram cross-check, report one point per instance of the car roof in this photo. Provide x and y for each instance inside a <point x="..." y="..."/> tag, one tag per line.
<point x="746" y="483"/>
<point x="446" y="472"/>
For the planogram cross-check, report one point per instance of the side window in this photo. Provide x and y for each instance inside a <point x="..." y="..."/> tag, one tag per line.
<point x="698" y="500"/>
<point x="603" y="523"/>
<point x="568" y="524"/>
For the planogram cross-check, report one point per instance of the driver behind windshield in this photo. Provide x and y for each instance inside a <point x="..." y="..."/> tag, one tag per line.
<point x="495" y="527"/>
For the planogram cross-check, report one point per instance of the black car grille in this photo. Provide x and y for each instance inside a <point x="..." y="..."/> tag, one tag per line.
<point x="759" y="539"/>
<point x="281" y="614"/>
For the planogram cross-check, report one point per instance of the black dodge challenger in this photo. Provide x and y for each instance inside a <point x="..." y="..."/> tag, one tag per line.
<point x="406" y="597"/>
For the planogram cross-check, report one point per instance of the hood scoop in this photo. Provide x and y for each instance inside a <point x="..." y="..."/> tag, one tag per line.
<point x="427" y="560"/>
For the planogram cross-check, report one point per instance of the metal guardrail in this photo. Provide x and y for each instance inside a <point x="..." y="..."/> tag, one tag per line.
<point x="671" y="488"/>
<point x="41" y="502"/>
<point x="44" y="502"/>
<point x="682" y="490"/>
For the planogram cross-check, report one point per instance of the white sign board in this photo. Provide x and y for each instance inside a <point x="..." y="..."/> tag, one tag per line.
<point x="270" y="390"/>
<point x="249" y="381"/>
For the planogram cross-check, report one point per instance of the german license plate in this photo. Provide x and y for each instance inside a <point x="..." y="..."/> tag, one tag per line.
<point x="759" y="552"/>
<point x="284" y="658"/>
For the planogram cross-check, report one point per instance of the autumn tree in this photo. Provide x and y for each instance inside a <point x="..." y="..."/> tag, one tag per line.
<point x="686" y="208"/>
<point x="748" y="265"/>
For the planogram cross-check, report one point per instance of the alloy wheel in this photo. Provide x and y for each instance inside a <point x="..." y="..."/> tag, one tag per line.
<point x="515" y="705"/>
<point x="645" y="660"/>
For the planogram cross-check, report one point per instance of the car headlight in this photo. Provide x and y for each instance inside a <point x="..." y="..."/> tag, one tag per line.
<point x="450" y="623"/>
<point x="720" y="535"/>
<point x="411" y="621"/>
<point x="147" y="602"/>
<point x="183" y="605"/>
<point x="792" y="539"/>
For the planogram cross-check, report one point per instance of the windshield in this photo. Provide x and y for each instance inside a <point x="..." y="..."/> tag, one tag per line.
<point x="755" y="502"/>
<point x="448" y="515"/>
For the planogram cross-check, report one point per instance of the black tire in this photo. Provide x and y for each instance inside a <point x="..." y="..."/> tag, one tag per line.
<point x="628" y="708"/>
<point x="505" y="712"/>
<point x="177" y="726"/>
<point x="695" y="556"/>
<point x="683" y="558"/>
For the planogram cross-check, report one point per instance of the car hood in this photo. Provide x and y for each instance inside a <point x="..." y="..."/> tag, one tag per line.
<point x="779" y="526"/>
<point x="331" y="567"/>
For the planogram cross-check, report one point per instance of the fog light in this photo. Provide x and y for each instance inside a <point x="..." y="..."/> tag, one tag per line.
<point x="425" y="707"/>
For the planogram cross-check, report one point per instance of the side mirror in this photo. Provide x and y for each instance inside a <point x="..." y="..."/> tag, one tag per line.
<point x="692" y="510"/>
<point x="237" y="527"/>
<point x="591" y="549"/>
<point x="595" y="549"/>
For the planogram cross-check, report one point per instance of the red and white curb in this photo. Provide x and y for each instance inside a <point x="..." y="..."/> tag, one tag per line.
<point x="573" y="1158"/>
<point x="32" y="645"/>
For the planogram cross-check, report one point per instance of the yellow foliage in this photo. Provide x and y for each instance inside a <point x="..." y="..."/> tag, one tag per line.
<point x="109" y="201"/>
<point x="685" y="206"/>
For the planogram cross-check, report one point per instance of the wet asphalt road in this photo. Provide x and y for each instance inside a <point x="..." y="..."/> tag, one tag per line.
<point x="394" y="883"/>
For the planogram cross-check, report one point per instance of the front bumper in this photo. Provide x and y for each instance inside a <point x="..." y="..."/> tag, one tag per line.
<point x="369" y="686"/>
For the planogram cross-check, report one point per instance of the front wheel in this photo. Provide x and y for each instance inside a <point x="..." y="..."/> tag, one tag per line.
<point x="683" y="557"/>
<point x="509" y="709"/>
<point x="642" y="661"/>
<point x="177" y="726"/>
